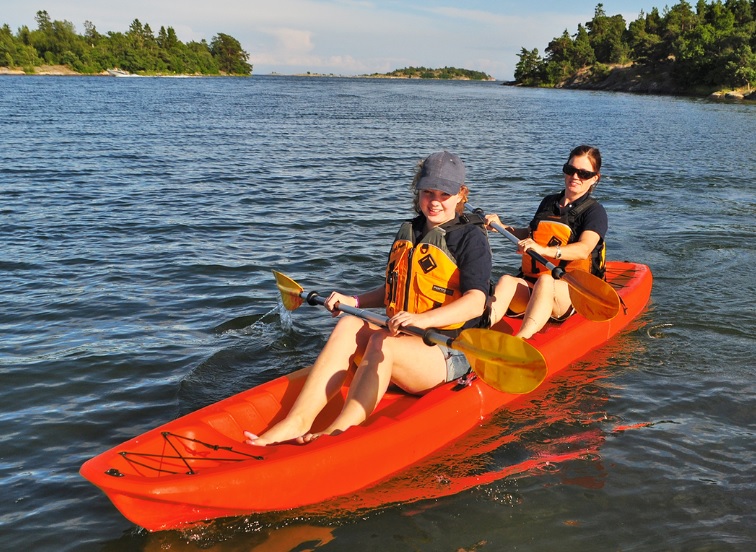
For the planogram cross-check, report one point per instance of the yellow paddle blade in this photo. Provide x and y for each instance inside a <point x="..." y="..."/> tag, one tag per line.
<point x="591" y="296"/>
<point x="290" y="291"/>
<point x="504" y="362"/>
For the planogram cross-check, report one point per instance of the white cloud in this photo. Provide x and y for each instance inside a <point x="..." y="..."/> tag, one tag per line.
<point x="293" y="41"/>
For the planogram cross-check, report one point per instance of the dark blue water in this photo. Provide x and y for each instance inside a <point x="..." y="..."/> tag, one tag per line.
<point x="141" y="219"/>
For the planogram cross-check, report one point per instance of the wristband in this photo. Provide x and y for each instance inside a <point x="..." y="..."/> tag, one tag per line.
<point x="356" y="301"/>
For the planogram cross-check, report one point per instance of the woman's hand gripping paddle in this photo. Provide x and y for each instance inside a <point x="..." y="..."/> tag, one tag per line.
<point x="504" y="362"/>
<point x="591" y="296"/>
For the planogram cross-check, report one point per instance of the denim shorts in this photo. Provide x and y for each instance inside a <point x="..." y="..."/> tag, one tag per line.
<point x="457" y="364"/>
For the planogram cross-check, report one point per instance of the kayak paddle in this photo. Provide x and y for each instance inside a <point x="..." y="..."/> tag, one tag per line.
<point x="504" y="362"/>
<point x="591" y="296"/>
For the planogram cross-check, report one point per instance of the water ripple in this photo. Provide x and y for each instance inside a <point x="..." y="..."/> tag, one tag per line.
<point x="141" y="219"/>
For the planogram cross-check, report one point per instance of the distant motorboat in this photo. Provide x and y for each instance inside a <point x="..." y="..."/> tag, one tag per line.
<point x="119" y="73"/>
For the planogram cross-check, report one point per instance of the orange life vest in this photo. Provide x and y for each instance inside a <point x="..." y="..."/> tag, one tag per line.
<point x="552" y="230"/>
<point x="423" y="276"/>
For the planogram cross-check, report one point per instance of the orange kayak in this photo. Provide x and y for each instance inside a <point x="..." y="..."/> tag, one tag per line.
<point x="198" y="467"/>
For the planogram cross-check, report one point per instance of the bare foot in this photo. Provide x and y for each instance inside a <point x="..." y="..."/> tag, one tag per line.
<point x="285" y="430"/>
<point x="251" y="439"/>
<point x="310" y="437"/>
<point x="307" y="438"/>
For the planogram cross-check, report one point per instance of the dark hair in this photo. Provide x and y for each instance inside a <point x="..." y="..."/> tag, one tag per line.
<point x="593" y="154"/>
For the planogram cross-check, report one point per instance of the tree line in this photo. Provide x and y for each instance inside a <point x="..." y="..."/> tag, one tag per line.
<point x="711" y="46"/>
<point x="138" y="50"/>
<point x="446" y="73"/>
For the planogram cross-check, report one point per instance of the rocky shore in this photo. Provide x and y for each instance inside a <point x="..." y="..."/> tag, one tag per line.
<point x="54" y="70"/>
<point x="643" y="80"/>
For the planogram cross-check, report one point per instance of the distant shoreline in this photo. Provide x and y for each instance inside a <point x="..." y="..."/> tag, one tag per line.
<point x="385" y="77"/>
<point x="617" y="81"/>
<point x="63" y="71"/>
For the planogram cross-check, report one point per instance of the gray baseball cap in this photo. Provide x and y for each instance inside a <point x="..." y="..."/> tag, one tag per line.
<point x="442" y="171"/>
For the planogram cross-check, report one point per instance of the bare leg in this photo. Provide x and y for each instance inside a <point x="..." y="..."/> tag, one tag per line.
<point x="562" y="300"/>
<point x="550" y="298"/>
<point x="325" y="380"/>
<point x="511" y="292"/>
<point x="404" y="360"/>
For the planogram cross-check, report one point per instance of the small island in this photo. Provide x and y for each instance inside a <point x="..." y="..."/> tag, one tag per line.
<point x="445" y="73"/>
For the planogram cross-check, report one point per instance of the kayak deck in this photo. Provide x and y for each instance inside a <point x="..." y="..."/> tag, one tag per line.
<point x="198" y="467"/>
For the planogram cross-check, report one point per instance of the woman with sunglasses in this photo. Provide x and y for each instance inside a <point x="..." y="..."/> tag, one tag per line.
<point x="568" y="229"/>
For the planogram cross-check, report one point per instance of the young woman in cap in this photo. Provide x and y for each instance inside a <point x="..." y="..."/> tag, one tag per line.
<point x="437" y="277"/>
<point x="568" y="229"/>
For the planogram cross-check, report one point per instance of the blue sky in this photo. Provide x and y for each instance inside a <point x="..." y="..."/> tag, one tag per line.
<point x="347" y="37"/>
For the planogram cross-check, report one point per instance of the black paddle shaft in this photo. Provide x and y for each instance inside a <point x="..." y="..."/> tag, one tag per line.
<point x="429" y="336"/>
<point x="556" y="271"/>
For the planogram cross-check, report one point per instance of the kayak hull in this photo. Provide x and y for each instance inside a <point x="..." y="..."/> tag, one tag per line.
<point x="198" y="467"/>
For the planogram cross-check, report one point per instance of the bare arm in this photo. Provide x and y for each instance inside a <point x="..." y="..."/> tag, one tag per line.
<point x="519" y="233"/>
<point x="366" y="300"/>
<point x="469" y="306"/>
<point x="578" y="250"/>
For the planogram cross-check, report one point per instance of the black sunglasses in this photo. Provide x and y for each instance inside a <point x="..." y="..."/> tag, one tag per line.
<point x="582" y="173"/>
